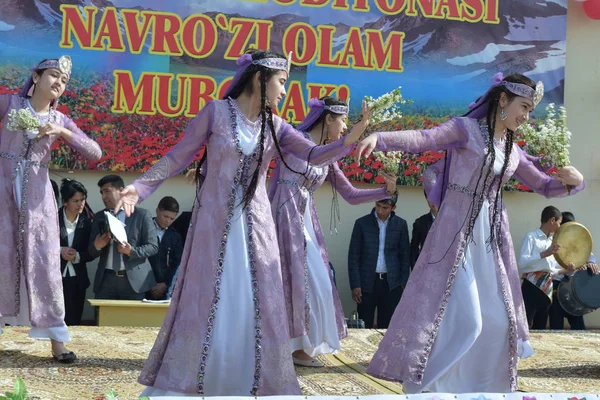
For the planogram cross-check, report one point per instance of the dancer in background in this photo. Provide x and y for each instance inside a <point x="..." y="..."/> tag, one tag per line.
<point x="223" y="334"/>
<point x="315" y="315"/>
<point x="463" y="299"/>
<point x="31" y="291"/>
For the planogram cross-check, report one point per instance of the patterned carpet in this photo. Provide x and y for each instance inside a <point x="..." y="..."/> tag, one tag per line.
<point x="111" y="358"/>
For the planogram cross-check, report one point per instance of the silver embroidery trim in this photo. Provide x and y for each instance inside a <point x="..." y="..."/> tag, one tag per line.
<point x="243" y="167"/>
<point x="22" y="214"/>
<point x="422" y="364"/>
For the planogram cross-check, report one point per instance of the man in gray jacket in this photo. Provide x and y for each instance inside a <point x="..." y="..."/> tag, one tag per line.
<point x="379" y="263"/>
<point x="124" y="272"/>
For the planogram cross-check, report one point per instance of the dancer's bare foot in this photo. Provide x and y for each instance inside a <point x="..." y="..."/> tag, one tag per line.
<point x="61" y="354"/>
<point x="301" y="358"/>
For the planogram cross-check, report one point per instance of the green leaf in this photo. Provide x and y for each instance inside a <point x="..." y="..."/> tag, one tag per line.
<point x="20" y="390"/>
<point x="111" y="395"/>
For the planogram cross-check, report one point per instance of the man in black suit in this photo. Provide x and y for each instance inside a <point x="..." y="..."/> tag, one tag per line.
<point x="379" y="263"/>
<point x="75" y="230"/>
<point x="124" y="272"/>
<point x="420" y="230"/>
<point x="170" y="248"/>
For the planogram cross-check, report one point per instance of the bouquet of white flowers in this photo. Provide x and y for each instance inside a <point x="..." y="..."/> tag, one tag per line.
<point x="23" y="120"/>
<point x="390" y="160"/>
<point x="387" y="106"/>
<point x="550" y="139"/>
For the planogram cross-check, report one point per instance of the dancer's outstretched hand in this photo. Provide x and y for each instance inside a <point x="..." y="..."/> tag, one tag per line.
<point x="569" y="176"/>
<point x="128" y="200"/>
<point x="365" y="147"/>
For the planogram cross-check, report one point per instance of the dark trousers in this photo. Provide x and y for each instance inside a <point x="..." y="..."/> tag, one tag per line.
<point x="74" y="295"/>
<point x="115" y="287"/>
<point x="383" y="299"/>
<point x="558" y="314"/>
<point x="536" y="305"/>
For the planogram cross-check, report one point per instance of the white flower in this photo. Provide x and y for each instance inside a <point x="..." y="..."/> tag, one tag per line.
<point x="551" y="139"/>
<point x="23" y="120"/>
<point x="386" y="107"/>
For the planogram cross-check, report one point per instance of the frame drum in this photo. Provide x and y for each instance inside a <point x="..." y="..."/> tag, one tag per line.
<point x="580" y="293"/>
<point x="575" y="244"/>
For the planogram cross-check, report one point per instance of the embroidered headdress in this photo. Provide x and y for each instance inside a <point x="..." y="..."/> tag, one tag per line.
<point x="535" y="95"/>
<point x="63" y="64"/>
<point x="246" y="60"/>
<point x="317" y="107"/>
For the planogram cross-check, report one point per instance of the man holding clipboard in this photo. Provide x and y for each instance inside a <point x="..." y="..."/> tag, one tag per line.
<point x="123" y="245"/>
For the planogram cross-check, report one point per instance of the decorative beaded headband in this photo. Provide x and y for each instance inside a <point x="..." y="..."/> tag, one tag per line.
<point x="337" y="109"/>
<point x="520" y="89"/>
<point x="63" y="64"/>
<point x="276" y="63"/>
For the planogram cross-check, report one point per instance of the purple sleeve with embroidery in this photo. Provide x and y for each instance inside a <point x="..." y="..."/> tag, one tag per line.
<point x="352" y="195"/>
<point x="293" y="142"/>
<point x="528" y="174"/>
<point x="451" y="134"/>
<point x="81" y="142"/>
<point x="180" y="156"/>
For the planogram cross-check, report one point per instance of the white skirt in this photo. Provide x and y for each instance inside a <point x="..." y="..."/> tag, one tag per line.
<point x="59" y="334"/>
<point x="470" y="353"/>
<point x="230" y="363"/>
<point x="323" y="337"/>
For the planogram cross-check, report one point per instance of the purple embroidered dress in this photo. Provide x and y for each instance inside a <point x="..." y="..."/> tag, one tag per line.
<point x="30" y="280"/>
<point x="225" y="331"/>
<point x="460" y="326"/>
<point x="315" y="315"/>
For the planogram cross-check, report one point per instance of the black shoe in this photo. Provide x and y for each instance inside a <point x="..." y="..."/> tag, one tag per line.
<point x="65" y="358"/>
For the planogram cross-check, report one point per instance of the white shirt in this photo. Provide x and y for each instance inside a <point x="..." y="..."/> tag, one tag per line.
<point x="159" y="231"/>
<point x="70" y="227"/>
<point x="381" y="267"/>
<point x="530" y="259"/>
<point x="121" y="217"/>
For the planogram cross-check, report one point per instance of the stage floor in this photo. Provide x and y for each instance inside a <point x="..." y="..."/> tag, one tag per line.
<point x="111" y="358"/>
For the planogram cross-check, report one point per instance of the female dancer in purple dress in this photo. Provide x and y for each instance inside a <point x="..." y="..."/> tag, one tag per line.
<point x="463" y="303"/>
<point x="315" y="315"/>
<point x="31" y="290"/>
<point x="224" y="332"/>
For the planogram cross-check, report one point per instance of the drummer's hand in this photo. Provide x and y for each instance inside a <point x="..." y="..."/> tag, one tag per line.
<point x="592" y="267"/>
<point x="128" y="200"/>
<point x="550" y="250"/>
<point x="571" y="268"/>
<point x="569" y="176"/>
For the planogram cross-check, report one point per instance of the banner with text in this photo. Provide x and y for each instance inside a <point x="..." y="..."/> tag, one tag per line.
<point x="143" y="68"/>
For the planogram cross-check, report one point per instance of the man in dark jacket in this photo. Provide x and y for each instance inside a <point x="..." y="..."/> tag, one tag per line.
<point x="379" y="263"/>
<point x="170" y="248"/>
<point x="420" y="230"/>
